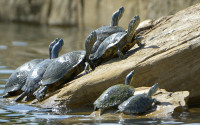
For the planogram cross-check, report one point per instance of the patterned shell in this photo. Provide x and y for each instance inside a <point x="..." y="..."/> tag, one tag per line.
<point x="104" y="32"/>
<point x="114" y="96"/>
<point x="108" y="48"/>
<point x="19" y="76"/>
<point x="64" y="68"/>
<point x="136" y="104"/>
<point x="36" y="75"/>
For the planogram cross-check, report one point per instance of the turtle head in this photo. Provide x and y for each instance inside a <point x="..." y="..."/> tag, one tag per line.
<point x="132" y="27"/>
<point x="57" y="48"/>
<point x="129" y="78"/>
<point x="51" y="46"/>
<point x="92" y="38"/>
<point x="117" y="16"/>
<point x="153" y="90"/>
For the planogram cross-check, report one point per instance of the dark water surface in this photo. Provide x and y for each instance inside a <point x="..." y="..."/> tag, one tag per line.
<point x="20" y="43"/>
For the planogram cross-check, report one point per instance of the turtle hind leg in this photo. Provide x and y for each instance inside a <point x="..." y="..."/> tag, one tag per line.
<point x="95" y="108"/>
<point x="40" y="93"/>
<point x="7" y="95"/>
<point x="10" y="94"/>
<point x="20" y="97"/>
<point x="29" y="97"/>
<point x="101" y="111"/>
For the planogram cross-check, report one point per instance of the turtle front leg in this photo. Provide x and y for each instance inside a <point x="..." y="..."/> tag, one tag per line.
<point x="87" y="68"/>
<point x="156" y="102"/>
<point x="138" y="41"/>
<point x="120" y="54"/>
<point x="41" y="92"/>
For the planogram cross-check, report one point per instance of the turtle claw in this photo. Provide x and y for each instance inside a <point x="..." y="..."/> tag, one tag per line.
<point x="138" y="41"/>
<point x="118" y="111"/>
<point x="40" y="93"/>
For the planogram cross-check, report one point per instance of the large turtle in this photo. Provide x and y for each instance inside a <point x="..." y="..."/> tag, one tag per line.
<point x="139" y="103"/>
<point x="92" y="43"/>
<point x="36" y="74"/>
<point x="18" y="78"/>
<point x="115" y="95"/>
<point x="60" y="71"/>
<point x="117" y="44"/>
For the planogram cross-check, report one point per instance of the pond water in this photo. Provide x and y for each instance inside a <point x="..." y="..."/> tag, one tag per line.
<point x="20" y="43"/>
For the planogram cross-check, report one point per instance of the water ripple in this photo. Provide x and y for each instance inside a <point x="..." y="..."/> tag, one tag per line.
<point x="6" y="71"/>
<point x="19" y="43"/>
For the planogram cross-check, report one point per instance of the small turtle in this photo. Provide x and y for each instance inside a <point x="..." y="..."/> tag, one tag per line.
<point x="117" y="44"/>
<point x="115" y="95"/>
<point x="36" y="74"/>
<point x="139" y="103"/>
<point x="93" y="41"/>
<point x="60" y="71"/>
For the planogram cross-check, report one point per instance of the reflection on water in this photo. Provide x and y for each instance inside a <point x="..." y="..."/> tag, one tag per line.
<point x="21" y="43"/>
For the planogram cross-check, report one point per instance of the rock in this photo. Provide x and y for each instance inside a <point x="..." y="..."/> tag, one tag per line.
<point x="84" y="12"/>
<point x="171" y="58"/>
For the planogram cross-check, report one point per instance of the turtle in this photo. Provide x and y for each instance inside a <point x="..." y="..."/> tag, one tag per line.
<point x="36" y="74"/>
<point x="92" y="43"/>
<point x="115" y="95"/>
<point x="18" y="78"/>
<point x="139" y="103"/>
<point x="117" y="44"/>
<point x="60" y="71"/>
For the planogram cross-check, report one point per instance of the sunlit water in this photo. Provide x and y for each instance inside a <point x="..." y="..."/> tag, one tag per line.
<point x="21" y="43"/>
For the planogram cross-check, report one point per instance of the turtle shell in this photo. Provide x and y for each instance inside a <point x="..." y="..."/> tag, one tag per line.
<point x="18" y="78"/>
<point x="64" y="68"/>
<point x="35" y="76"/>
<point x="108" y="48"/>
<point x="104" y="32"/>
<point x="136" y="104"/>
<point x="114" y="96"/>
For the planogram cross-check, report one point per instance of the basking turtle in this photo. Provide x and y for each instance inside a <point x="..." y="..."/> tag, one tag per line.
<point x="139" y="103"/>
<point x="93" y="41"/>
<point x="60" y="71"/>
<point x="115" y="95"/>
<point x="117" y="44"/>
<point x="18" y="78"/>
<point x="36" y="74"/>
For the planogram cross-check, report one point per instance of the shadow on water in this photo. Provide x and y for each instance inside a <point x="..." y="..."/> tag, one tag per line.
<point x="21" y="43"/>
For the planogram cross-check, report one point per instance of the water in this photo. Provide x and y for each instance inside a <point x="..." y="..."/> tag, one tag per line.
<point x="20" y="43"/>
